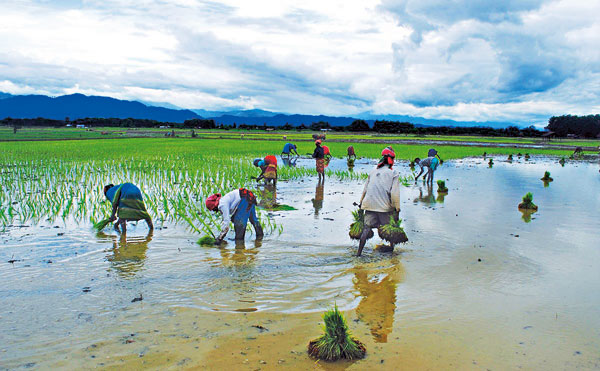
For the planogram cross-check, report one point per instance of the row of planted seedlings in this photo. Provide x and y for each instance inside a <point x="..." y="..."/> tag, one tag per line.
<point x="174" y="188"/>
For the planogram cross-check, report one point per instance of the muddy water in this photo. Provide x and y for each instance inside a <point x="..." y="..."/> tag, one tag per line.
<point x="479" y="285"/>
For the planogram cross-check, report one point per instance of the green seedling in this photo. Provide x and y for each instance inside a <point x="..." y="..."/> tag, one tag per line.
<point x="337" y="341"/>
<point x="357" y="227"/>
<point x="527" y="203"/>
<point x="547" y="177"/>
<point x="442" y="186"/>
<point x="393" y="231"/>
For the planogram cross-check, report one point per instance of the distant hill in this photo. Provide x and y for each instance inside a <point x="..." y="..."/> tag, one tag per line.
<point x="81" y="106"/>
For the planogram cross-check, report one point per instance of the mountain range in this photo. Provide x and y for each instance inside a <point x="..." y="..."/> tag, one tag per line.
<point x="76" y="106"/>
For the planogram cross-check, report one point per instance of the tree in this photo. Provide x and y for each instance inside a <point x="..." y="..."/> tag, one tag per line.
<point x="359" y="125"/>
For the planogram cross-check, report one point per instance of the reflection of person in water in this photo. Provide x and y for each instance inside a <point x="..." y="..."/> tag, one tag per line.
<point x="289" y="162"/>
<point x="268" y="197"/>
<point x="240" y="256"/>
<point x="378" y="303"/>
<point x="129" y="254"/>
<point x="427" y="199"/>
<point x="318" y="200"/>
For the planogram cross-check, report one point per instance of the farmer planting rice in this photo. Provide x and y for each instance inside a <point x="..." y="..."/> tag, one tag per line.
<point x="381" y="196"/>
<point x="351" y="153"/>
<point x="319" y="156"/>
<point x="288" y="148"/>
<point x="127" y="204"/>
<point x="269" y="169"/>
<point x="431" y="163"/>
<point x="236" y="206"/>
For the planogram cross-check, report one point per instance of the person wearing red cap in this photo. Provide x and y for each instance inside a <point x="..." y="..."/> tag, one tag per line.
<point x="319" y="156"/>
<point x="381" y="196"/>
<point x="236" y="206"/>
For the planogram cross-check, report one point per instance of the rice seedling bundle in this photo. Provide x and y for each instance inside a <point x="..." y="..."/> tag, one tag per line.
<point x="527" y="203"/>
<point x="337" y="341"/>
<point x="442" y="186"/>
<point x="393" y="231"/>
<point x="357" y="227"/>
<point x="547" y="177"/>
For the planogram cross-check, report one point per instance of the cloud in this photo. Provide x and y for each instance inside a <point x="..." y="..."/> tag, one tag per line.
<point x="509" y="60"/>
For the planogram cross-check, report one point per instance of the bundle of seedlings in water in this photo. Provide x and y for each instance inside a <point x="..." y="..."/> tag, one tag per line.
<point x="101" y="224"/>
<point x="519" y="154"/>
<point x="206" y="241"/>
<point x="510" y="158"/>
<point x="336" y="342"/>
<point x="356" y="228"/>
<point x="547" y="177"/>
<point x="527" y="203"/>
<point x="442" y="186"/>
<point x="527" y="157"/>
<point x="562" y="161"/>
<point x="350" y="162"/>
<point x="491" y="162"/>
<point x="392" y="232"/>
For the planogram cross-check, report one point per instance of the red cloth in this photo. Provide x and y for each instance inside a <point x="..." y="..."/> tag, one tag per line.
<point x="351" y="151"/>
<point x="388" y="151"/>
<point x="326" y="150"/>
<point x="212" y="202"/>
<point x="271" y="160"/>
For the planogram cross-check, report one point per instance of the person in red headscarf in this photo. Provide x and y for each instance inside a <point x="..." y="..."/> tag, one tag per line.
<point x="381" y="196"/>
<point x="237" y="206"/>
<point x="268" y="168"/>
<point x="319" y="156"/>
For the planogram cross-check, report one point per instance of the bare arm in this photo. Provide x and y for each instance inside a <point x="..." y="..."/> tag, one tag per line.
<point x="395" y="194"/>
<point x="419" y="174"/>
<point x="225" y="223"/>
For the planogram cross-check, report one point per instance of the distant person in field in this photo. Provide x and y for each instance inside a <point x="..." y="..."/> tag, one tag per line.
<point x="288" y="148"/>
<point x="236" y="206"/>
<point x="431" y="163"/>
<point x="268" y="167"/>
<point x="127" y="204"/>
<point x="351" y="153"/>
<point x="319" y="156"/>
<point x="381" y="196"/>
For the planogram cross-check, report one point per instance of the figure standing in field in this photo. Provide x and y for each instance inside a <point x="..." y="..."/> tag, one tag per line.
<point x="431" y="163"/>
<point x="268" y="168"/>
<point x="351" y="153"/>
<point x="288" y="148"/>
<point x="319" y="156"/>
<point x="127" y="204"/>
<point x="236" y="206"/>
<point x="381" y="196"/>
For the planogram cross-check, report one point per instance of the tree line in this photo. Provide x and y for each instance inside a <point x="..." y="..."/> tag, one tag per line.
<point x="585" y="126"/>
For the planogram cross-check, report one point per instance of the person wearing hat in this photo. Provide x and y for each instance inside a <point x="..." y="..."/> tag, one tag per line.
<point x="381" y="196"/>
<point x="433" y="153"/>
<point x="288" y="148"/>
<point x="319" y="156"/>
<point x="236" y="206"/>
<point x="431" y="163"/>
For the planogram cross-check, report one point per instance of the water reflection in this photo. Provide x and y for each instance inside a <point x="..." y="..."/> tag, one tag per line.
<point x="378" y="304"/>
<point x="441" y="196"/>
<point x="289" y="162"/>
<point x="318" y="200"/>
<point x="240" y="256"/>
<point x="428" y="199"/>
<point x="268" y="196"/>
<point x="128" y="254"/>
<point x="526" y="215"/>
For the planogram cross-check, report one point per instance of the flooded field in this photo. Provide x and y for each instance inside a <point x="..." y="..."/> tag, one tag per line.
<point x="479" y="285"/>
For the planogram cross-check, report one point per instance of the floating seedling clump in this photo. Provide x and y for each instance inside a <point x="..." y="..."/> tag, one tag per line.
<point x="336" y="342"/>
<point x="562" y="161"/>
<point x="527" y="157"/>
<point x="356" y="228"/>
<point x="491" y="162"/>
<point x="392" y="232"/>
<point x="206" y="241"/>
<point x="442" y="186"/>
<point x="510" y="157"/>
<point x="527" y="203"/>
<point x="547" y="177"/>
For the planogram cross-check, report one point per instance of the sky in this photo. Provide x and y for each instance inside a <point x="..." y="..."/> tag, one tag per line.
<point x="516" y="61"/>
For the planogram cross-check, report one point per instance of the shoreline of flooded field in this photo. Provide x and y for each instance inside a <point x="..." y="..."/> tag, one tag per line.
<point x="476" y="286"/>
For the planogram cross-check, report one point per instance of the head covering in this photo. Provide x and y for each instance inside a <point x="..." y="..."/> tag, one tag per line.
<point x="256" y="161"/>
<point x="107" y="187"/>
<point x="387" y="158"/>
<point x="212" y="202"/>
<point x="318" y="142"/>
<point x="432" y="152"/>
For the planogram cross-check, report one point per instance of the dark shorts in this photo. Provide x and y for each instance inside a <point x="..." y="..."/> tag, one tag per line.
<point x="374" y="219"/>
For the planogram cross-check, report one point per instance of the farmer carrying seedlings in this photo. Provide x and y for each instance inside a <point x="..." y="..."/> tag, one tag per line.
<point x="381" y="196"/>
<point x="268" y="168"/>
<point x="127" y="204"/>
<point x="319" y="156"/>
<point x="236" y="206"/>
<point x="288" y="148"/>
<point x="431" y="163"/>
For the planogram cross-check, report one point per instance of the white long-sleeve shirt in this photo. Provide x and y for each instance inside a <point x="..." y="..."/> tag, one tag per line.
<point x="228" y="205"/>
<point x="382" y="191"/>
